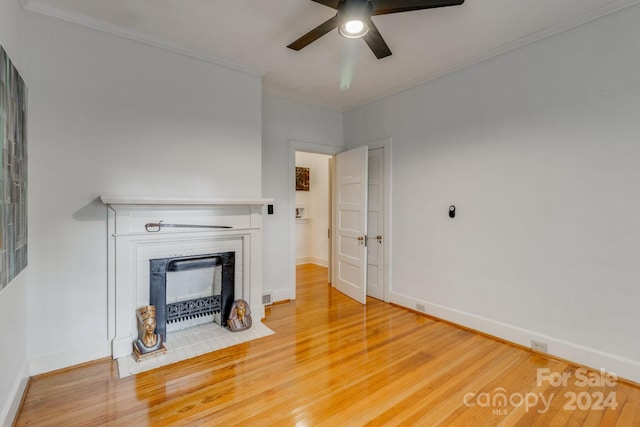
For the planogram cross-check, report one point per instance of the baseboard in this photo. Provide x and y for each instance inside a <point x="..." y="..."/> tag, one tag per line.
<point x="282" y="294"/>
<point x="59" y="360"/>
<point x="303" y="260"/>
<point x="11" y="407"/>
<point x="622" y="367"/>
<point x="322" y="262"/>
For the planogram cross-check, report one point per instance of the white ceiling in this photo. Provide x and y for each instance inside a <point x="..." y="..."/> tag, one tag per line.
<point x="333" y="72"/>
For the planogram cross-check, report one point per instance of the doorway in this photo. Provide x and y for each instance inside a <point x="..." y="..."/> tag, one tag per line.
<point x="312" y="209"/>
<point x="382" y="250"/>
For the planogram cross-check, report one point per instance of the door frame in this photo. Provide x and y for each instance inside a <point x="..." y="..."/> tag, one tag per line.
<point x="306" y="147"/>
<point x="386" y="144"/>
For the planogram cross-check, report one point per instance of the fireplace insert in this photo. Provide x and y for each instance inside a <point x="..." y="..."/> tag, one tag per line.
<point x="192" y="307"/>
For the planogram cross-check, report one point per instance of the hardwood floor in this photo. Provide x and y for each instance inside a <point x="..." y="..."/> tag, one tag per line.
<point x="334" y="362"/>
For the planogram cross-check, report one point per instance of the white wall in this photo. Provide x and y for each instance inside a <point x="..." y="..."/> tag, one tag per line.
<point x="311" y="234"/>
<point x="112" y="116"/>
<point x="13" y="298"/>
<point x="285" y="122"/>
<point x="538" y="149"/>
<point x="303" y="241"/>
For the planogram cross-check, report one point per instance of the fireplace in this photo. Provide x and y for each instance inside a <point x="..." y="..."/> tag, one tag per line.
<point x="187" y="305"/>
<point x="132" y="247"/>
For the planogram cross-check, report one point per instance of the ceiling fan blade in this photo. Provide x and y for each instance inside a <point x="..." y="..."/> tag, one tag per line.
<point x="376" y="43"/>
<point x="383" y="7"/>
<point x="331" y="3"/>
<point x="315" y="34"/>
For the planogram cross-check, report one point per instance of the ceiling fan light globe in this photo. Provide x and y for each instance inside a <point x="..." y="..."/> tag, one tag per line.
<point x="353" y="29"/>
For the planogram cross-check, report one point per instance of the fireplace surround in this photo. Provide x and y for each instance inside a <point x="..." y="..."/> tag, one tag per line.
<point x="131" y="248"/>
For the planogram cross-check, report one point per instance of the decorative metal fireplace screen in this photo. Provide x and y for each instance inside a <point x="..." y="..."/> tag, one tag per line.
<point x="194" y="307"/>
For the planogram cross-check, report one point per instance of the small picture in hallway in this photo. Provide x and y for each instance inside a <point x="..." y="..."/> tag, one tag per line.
<point x="302" y="179"/>
<point x="13" y="171"/>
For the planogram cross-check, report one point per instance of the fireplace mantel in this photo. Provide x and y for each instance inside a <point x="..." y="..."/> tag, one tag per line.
<point x="177" y="201"/>
<point x="130" y="246"/>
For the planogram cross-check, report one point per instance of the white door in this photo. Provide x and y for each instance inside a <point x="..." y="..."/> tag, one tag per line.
<point x="375" y="223"/>
<point x="351" y="223"/>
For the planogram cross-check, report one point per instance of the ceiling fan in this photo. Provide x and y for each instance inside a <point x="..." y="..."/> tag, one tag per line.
<point x="353" y="20"/>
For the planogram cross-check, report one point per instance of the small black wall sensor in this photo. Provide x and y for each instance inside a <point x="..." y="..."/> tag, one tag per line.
<point x="269" y="209"/>
<point x="452" y="211"/>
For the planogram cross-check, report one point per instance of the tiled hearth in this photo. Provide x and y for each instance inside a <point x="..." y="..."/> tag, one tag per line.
<point x="131" y="247"/>
<point x="192" y="342"/>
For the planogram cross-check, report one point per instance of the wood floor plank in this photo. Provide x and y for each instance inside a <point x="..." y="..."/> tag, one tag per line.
<point x="330" y="362"/>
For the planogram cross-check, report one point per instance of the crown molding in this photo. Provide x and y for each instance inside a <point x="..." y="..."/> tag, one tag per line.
<point x="531" y="38"/>
<point x="117" y="30"/>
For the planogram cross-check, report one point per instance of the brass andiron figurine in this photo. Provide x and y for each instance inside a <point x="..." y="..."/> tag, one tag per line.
<point x="149" y="343"/>
<point x="240" y="317"/>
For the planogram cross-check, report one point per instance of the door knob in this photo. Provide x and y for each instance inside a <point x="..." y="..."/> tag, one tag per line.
<point x="379" y="239"/>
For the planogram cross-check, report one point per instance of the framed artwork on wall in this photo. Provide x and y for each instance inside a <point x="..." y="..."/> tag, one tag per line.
<point x="302" y="179"/>
<point x="13" y="171"/>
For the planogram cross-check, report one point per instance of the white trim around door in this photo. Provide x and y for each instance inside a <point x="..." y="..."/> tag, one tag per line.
<point x="291" y="214"/>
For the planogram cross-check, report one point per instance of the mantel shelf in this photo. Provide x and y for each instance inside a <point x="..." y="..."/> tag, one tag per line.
<point x="162" y="201"/>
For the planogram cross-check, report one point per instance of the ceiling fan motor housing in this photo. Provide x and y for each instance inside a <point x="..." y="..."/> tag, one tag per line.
<point x="349" y="10"/>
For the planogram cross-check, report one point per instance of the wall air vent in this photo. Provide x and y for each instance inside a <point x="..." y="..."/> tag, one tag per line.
<point x="266" y="299"/>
